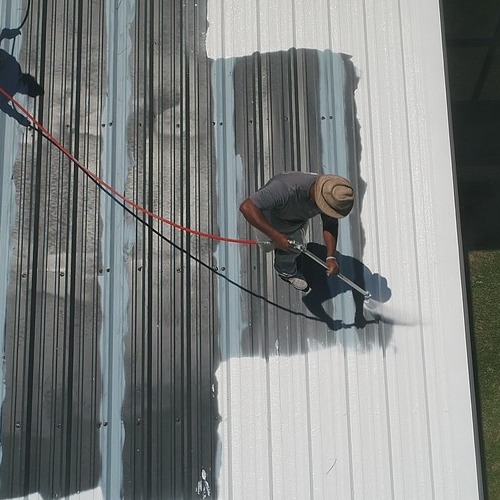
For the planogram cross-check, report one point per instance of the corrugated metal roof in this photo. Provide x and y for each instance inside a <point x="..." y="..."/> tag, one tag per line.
<point x="143" y="362"/>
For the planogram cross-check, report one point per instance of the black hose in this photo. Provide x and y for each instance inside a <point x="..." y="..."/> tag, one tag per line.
<point x="25" y="15"/>
<point x="179" y="248"/>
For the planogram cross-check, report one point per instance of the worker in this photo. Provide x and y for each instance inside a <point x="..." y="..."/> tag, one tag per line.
<point x="281" y="211"/>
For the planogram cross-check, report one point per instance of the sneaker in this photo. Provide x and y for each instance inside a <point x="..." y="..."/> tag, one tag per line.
<point x="298" y="282"/>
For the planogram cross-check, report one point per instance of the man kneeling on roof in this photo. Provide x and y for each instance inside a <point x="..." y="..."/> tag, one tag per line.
<point x="282" y="209"/>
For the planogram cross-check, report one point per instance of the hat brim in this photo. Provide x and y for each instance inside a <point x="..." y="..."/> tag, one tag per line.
<point x="320" y="200"/>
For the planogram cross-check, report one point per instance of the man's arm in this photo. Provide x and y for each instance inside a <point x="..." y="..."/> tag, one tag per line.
<point x="330" y="238"/>
<point x="254" y="215"/>
<point x="330" y="235"/>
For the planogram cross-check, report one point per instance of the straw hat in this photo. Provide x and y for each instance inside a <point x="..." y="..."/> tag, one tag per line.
<point x="333" y="195"/>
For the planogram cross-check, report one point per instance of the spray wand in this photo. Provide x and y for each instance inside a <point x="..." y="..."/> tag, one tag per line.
<point x="303" y="249"/>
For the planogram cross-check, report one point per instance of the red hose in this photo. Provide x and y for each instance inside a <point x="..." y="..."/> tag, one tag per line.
<point x="113" y="191"/>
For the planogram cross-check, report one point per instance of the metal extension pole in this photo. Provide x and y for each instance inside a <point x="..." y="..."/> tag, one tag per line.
<point x="353" y="285"/>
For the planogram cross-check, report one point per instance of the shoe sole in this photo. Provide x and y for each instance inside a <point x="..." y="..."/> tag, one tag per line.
<point x="303" y="290"/>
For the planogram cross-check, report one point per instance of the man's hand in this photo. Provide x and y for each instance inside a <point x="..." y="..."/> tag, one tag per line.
<point x="333" y="266"/>
<point x="282" y="242"/>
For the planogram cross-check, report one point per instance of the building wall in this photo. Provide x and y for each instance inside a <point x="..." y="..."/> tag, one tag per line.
<point x="142" y="361"/>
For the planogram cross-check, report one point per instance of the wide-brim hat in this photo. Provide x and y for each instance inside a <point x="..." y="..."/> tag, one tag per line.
<point x="334" y="195"/>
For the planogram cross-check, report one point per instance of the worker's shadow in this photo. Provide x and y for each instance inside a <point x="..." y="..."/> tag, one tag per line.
<point x="325" y="288"/>
<point x="14" y="81"/>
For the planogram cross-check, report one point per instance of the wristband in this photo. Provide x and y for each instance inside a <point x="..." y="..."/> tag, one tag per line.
<point x="331" y="258"/>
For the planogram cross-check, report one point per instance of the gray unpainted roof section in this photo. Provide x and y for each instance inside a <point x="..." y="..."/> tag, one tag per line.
<point x="144" y="362"/>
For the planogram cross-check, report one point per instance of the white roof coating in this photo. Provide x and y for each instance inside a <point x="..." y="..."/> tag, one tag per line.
<point x="373" y="414"/>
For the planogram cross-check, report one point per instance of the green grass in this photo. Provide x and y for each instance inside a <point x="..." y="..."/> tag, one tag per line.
<point x="485" y="292"/>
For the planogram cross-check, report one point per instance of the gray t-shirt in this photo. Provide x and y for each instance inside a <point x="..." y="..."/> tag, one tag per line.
<point x="286" y="202"/>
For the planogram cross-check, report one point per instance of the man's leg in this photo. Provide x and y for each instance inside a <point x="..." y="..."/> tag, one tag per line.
<point x="285" y="262"/>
